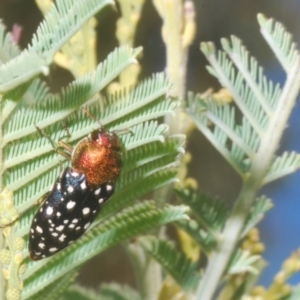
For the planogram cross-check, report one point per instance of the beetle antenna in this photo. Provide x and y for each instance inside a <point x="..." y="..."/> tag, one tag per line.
<point x="89" y="114"/>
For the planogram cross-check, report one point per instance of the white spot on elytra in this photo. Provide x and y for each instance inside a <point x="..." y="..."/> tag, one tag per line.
<point x="97" y="192"/>
<point x="86" y="211"/>
<point x="49" y="210"/>
<point x="31" y="230"/>
<point x="39" y="229"/>
<point x="54" y="234"/>
<point x="66" y="221"/>
<point x="108" y="187"/>
<point x="75" y="221"/>
<point x="94" y="211"/>
<point x="74" y="174"/>
<point x="83" y="185"/>
<point x="34" y="220"/>
<point x="50" y="221"/>
<point x="62" y="237"/>
<point x="53" y="249"/>
<point x="42" y="238"/>
<point x="58" y="214"/>
<point x="62" y="199"/>
<point x="41" y="210"/>
<point x="87" y="225"/>
<point x="71" y="225"/>
<point x="60" y="227"/>
<point x="71" y="204"/>
<point x="51" y="229"/>
<point x="70" y="189"/>
<point x="78" y="227"/>
<point x="52" y="225"/>
<point x="41" y="245"/>
<point x="58" y="186"/>
<point x="100" y="200"/>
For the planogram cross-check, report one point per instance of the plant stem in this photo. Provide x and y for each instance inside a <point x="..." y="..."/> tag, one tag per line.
<point x="178" y="32"/>
<point x="260" y="164"/>
<point x="219" y="259"/>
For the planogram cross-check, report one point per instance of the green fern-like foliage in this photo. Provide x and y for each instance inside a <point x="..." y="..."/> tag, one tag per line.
<point x="111" y="291"/>
<point x="256" y="97"/>
<point x="256" y="213"/>
<point x="80" y="293"/>
<point x="248" y="143"/>
<point x="209" y="214"/>
<point x="208" y="217"/>
<point x="132" y="221"/>
<point x="181" y="268"/>
<point x="57" y="288"/>
<point x="29" y="166"/>
<point x="62" y="21"/>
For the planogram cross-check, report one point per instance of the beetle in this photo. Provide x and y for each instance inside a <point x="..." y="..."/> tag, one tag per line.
<point x="78" y="194"/>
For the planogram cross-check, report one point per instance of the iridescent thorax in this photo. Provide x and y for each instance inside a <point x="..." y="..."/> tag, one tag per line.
<point x="98" y="156"/>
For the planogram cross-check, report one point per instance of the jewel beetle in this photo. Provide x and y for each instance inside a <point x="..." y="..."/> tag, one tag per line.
<point x="78" y="194"/>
